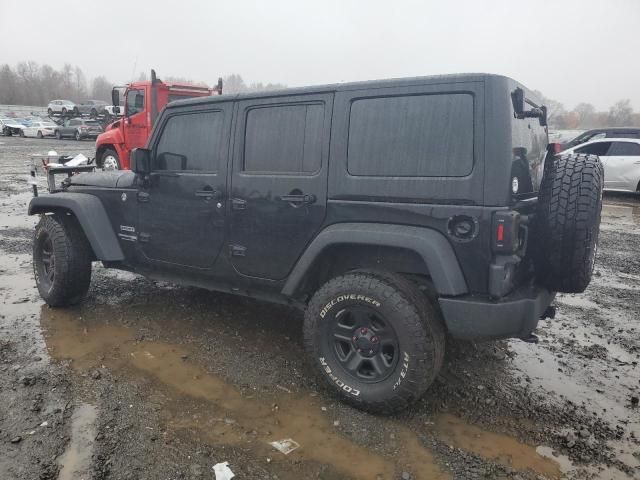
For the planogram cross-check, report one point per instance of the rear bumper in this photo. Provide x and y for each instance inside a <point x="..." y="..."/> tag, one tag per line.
<point x="513" y="316"/>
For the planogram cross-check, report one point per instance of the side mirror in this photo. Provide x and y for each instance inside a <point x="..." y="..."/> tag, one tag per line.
<point x="517" y="99"/>
<point x="140" y="161"/>
<point x="115" y="100"/>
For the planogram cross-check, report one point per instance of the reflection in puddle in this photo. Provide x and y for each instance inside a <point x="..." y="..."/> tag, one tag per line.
<point x="229" y="417"/>
<point x="75" y="463"/>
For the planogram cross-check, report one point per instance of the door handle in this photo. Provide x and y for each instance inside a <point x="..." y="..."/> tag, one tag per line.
<point x="238" y="204"/>
<point x="299" y="199"/>
<point x="142" y="197"/>
<point x="207" y="193"/>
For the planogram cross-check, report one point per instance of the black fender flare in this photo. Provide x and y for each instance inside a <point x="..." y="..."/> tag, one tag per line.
<point x="91" y="215"/>
<point x="431" y="245"/>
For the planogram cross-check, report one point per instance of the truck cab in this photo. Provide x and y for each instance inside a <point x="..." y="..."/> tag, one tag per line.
<point x="142" y="103"/>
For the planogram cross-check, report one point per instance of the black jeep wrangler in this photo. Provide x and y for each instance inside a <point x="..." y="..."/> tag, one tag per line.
<point x="393" y="212"/>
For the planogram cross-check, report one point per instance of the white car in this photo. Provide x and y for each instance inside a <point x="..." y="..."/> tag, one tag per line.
<point x="12" y="126"/>
<point x="62" y="107"/>
<point x="40" y="129"/>
<point x="620" y="158"/>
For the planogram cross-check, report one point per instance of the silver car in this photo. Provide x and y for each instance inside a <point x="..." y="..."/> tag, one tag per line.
<point x="620" y="158"/>
<point x="62" y="107"/>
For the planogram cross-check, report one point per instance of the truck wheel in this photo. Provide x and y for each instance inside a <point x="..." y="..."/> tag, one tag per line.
<point x="568" y="222"/>
<point x="375" y="338"/>
<point x="110" y="160"/>
<point x="61" y="260"/>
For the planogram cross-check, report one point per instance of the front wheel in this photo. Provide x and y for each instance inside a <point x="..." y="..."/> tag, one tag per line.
<point x="78" y="137"/>
<point x="21" y="133"/>
<point x="58" y="135"/>
<point x="110" y="160"/>
<point x="49" y="112"/>
<point x="61" y="260"/>
<point x="375" y="339"/>
<point x="64" y="111"/>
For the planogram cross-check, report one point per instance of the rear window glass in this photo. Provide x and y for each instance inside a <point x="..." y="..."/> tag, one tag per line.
<point x="599" y="148"/>
<point x="411" y="136"/>
<point x="624" y="149"/>
<point x="284" y="139"/>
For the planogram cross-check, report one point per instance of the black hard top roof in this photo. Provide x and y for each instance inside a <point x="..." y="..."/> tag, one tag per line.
<point x="336" y="87"/>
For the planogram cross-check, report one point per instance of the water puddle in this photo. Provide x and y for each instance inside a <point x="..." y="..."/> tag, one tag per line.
<point x="225" y="415"/>
<point x="75" y="463"/>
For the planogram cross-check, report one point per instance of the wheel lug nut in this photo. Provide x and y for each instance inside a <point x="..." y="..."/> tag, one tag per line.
<point x="374" y="339"/>
<point x="370" y="352"/>
<point x="363" y="331"/>
<point x="359" y="351"/>
<point x="355" y="338"/>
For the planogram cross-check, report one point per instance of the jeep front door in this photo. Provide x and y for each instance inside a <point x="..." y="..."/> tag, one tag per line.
<point x="279" y="182"/>
<point x="182" y="206"/>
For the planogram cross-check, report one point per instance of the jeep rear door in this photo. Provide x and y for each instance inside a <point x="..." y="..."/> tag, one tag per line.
<point x="279" y="181"/>
<point x="182" y="206"/>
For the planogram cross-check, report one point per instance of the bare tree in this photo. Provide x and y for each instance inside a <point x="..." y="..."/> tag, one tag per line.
<point x="620" y="113"/>
<point x="101" y="89"/>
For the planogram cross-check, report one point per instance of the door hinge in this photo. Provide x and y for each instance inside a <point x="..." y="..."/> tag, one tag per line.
<point x="237" y="250"/>
<point x="144" y="237"/>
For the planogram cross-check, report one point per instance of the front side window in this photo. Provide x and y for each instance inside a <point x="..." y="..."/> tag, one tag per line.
<point x="190" y="141"/>
<point x="135" y="102"/>
<point x="599" y="148"/>
<point x="284" y="139"/>
<point x="411" y="136"/>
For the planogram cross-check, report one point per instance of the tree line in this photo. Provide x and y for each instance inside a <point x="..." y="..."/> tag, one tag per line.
<point x="29" y="83"/>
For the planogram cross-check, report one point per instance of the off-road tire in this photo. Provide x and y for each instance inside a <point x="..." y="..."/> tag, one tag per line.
<point x="568" y="222"/>
<point x="71" y="255"/>
<point x="418" y="326"/>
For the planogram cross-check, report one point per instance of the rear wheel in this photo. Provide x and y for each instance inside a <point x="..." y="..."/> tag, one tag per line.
<point x="40" y="134"/>
<point x="64" y="111"/>
<point x="58" y="135"/>
<point x="21" y="132"/>
<point x="49" y="112"/>
<point x="568" y="222"/>
<point x="110" y="160"/>
<point x="375" y="338"/>
<point x="94" y="113"/>
<point x="61" y="260"/>
<point x="78" y="137"/>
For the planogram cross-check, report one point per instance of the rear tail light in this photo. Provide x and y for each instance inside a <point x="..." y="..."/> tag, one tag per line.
<point x="506" y="232"/>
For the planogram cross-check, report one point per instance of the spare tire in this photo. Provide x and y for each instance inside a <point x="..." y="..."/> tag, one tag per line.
<point x="567" y="222"/>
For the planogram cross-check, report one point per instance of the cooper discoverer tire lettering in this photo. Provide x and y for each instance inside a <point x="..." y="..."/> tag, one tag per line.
<point x="568" y="222"/>
<point x="376" y="339"/>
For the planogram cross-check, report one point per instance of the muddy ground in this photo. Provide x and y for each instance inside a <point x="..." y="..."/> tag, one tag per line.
<point x="147" y="380"/>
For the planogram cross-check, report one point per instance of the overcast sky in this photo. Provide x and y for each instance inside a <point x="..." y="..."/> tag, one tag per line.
<point x="571" y="50"/>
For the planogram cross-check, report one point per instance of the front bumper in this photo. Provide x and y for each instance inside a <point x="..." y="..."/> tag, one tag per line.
<point x="513" y="316"/>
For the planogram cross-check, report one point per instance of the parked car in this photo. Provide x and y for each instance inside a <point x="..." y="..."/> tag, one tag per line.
<point x="40" y="129"/>
<point x="93" y="108"/>
<point x="62" y="107"/>
<point x="386" y="210"/>
<point x="78" y="128"/>
<point x="620" y="158"/>
<point x="612" y="132"/>
<point x="12" y="126"/>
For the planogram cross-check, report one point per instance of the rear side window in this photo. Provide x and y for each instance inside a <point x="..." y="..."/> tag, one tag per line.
<point x="623" y="135"/>
<point x="600" y="149"/>
<point x="284" y="139"/>
<point x="411" y="136"/>
<point x="190" y="142"/>
<point x="624" y="149"/>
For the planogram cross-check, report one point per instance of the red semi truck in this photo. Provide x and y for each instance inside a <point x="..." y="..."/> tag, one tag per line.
<point x="143" y="101"/>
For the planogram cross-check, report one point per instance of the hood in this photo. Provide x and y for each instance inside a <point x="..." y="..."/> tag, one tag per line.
<point x="115" y="179"/>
